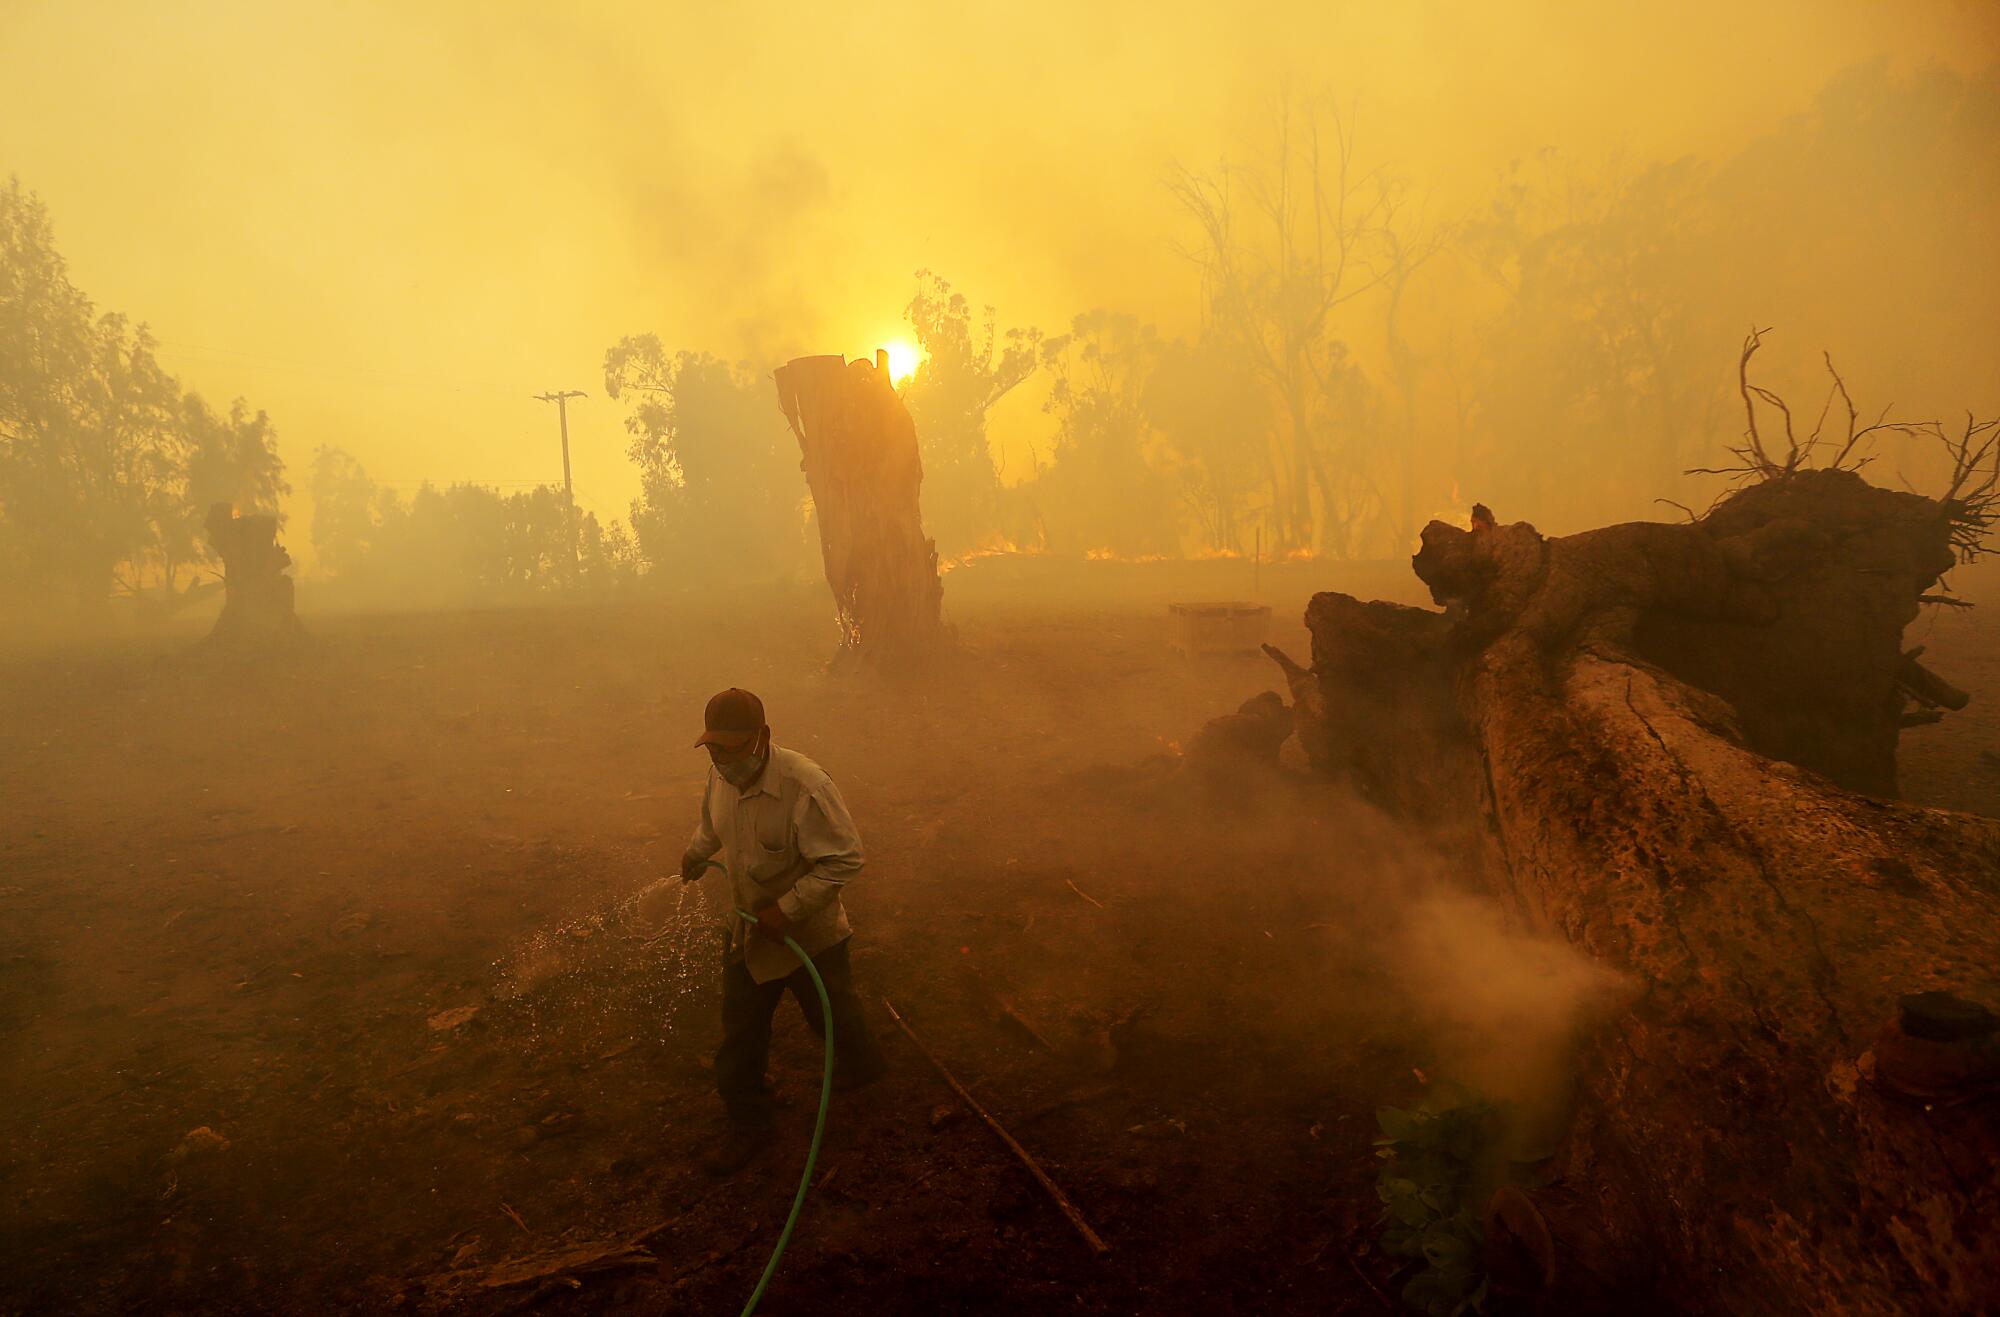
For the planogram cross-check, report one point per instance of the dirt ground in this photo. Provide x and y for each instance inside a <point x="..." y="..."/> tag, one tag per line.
<point x="381" y="920"/>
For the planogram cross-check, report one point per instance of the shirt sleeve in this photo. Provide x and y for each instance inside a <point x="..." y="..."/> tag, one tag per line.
<point x="827" y="842"/>
<point x="705" y="843"/>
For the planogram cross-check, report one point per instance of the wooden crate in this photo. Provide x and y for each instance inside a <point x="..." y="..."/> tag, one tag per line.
<point x="1227" y="627"/>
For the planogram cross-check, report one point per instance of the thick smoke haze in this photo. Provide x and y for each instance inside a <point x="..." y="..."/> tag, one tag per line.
<point x="388" y="226"/>
<point x="359" y="950"/>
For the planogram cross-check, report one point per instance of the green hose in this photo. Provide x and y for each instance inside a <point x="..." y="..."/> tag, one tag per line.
<point x="819" y="1125"/>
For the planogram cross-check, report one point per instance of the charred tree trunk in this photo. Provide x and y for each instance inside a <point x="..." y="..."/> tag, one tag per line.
<point x="862" y="465"/>
<point x="1666" y="731"/>
<point x="257" y="609"/>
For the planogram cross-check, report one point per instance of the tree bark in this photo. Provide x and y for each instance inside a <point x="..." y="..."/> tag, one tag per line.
<point x="257" y="611"/>
<point x="1664" y="733"/>
<point x="862" y="465"/>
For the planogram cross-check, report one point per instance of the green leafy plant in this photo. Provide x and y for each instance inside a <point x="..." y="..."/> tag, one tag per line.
<point x="1432" y="1163"/>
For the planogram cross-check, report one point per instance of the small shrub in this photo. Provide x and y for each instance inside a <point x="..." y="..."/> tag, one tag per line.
<point x="1433" y="1159"/>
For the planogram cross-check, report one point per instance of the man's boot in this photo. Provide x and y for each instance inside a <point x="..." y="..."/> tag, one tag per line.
<point x="739" y="1147"/>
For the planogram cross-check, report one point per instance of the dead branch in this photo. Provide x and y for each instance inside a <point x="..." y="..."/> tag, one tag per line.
<point x="1972" y="500"/>
<point x="1054" y="1191"/>
<point x="1027" y="1026"/>
<point x="1760" y="461"/>
<point x="1792" y="453"/>
<point x="1926" y="687"/>
<point x="579" y="1260"/>
<point x="1074" y="1098"/>
<point x="1840" y="387"/>
<point x="1085" y="895"/>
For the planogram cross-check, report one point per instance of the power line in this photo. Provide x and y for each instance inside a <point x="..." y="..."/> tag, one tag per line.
<point x="561" y="400"/>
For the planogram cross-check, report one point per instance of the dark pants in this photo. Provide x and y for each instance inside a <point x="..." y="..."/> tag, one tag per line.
<point x="747" y="1007"/>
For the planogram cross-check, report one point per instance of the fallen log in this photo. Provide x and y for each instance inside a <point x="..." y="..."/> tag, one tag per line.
<point x="1678" y="742"/>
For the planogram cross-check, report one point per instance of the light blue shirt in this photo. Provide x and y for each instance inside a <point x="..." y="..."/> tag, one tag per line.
<point x="788" y="838"/>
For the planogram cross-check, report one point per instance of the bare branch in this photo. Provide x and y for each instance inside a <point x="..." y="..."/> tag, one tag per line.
<point x="1760" y="460"/>
<point x="1840" y="387"/>
<point x="1970" y="502"/>
<point x="1792" y="454"/>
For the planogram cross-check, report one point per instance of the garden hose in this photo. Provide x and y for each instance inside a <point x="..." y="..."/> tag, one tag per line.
<point x="819" y="1124"/>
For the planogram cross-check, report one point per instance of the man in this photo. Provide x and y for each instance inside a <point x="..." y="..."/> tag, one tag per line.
<point x="784" y="838"/>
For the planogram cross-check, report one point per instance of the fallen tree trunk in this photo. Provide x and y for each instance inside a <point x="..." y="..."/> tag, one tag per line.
<point x="1654" y="723"/>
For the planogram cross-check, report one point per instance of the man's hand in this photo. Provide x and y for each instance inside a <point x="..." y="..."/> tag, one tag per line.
<point x="772" y="924"/>
<point x="693" y="866"/>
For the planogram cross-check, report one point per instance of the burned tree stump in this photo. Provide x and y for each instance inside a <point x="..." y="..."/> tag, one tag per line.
<point x="1667" y="731"/>
<point x="861" y="463"/>
<point x="257" y="609"/>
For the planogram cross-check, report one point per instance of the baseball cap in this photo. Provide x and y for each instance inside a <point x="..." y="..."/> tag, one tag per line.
<point x="732" y="720"/>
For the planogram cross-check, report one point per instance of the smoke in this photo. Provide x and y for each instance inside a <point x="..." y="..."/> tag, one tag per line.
<point x="734" y="236"/>
<point x="1320" y="925"/>
<point x="390" y="262"/>
<point x="1503" y="1007"/>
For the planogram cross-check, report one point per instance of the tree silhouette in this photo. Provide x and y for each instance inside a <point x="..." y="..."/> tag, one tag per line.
<point x="1274" y="273"/>
<point x="106" y="468"/>
<point x="720" y="489"/>
<point x="1104" y="486"/>
<point x="460" y="544"/>
<point x="967" y="367"/>
<point x="1214" y="419"/>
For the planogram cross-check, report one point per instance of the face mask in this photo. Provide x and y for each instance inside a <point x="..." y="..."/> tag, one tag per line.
<point x="741" y="773"/>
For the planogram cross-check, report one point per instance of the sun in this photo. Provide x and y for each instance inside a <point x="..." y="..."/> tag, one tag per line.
<point x="904" y="357"/>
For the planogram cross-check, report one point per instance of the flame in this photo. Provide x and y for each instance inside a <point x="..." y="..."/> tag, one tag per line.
<point x="1112" y="555"/>
<point x="993" y="546"/>
<point x="996" y="546"/>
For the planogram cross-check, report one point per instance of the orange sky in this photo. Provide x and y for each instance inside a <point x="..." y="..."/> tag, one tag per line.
<point x="389" y="224"/>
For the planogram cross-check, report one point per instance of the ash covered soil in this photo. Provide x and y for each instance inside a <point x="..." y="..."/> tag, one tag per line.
<point x="345" y="984"/>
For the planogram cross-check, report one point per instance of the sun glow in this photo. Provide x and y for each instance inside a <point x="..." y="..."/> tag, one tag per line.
<point x="904" y="357"/>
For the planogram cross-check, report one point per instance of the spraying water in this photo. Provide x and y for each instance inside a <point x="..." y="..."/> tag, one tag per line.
<point x="657" y="945"/>
<point x="668" y="921"/>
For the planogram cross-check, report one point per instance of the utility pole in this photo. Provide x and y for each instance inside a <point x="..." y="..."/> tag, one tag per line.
<point x="561" y="400"/>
